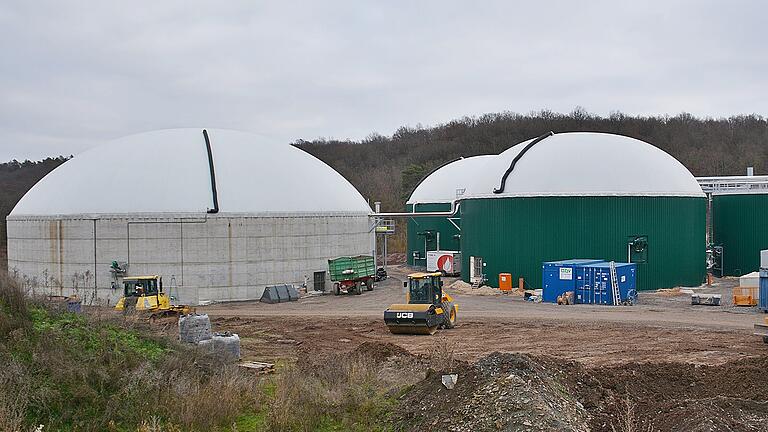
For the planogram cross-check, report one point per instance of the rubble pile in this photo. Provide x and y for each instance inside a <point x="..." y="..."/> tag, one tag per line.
<point x="505" y="392"/>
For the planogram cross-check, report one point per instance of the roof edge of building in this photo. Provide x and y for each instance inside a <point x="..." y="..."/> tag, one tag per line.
<point x="586" y="195"/>
<point x="185" y="216"/>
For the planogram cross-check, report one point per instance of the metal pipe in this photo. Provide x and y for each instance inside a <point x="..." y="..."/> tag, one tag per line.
<point x="454" y="209"/>
<point x="500" y="189"/>
<point x="214" y="192"/>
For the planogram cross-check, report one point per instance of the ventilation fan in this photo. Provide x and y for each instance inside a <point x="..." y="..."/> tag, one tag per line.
<point x="639" y="244"/>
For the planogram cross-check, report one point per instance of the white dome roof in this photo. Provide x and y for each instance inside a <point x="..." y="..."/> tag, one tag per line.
<point x="167" y="172"/>
<point x="441" y="185"/>
<point x="586" y="163"/>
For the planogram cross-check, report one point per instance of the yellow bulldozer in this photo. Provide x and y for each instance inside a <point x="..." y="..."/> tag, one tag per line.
<point x="426" y="307"/>
<point x="145" y="294"/>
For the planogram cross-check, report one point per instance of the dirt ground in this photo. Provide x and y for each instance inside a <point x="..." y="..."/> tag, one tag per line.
<point x="662" y="364"/>
<point x="659" y="328"/>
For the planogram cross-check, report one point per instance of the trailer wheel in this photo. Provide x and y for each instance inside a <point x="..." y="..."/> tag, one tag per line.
<point x="336" y="289"/>
<point x="358" y="288"/>
<point x="369" y="285"/>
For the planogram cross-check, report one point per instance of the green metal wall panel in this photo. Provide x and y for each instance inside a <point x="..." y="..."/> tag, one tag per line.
<point x="429" y="223"/>
<point x="515" y="235"/>
<point x="738" y="225"/>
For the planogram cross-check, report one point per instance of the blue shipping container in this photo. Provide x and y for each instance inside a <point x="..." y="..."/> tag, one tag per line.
<point x="595" y="286"/>
<point x="558" y="277"/>
<point x="763" y="302"/>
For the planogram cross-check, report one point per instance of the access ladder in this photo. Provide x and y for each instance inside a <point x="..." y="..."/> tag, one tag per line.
<point x="615" y="284"/>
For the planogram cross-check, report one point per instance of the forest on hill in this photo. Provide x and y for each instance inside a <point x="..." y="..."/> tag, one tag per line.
<point x="386" y="168"/>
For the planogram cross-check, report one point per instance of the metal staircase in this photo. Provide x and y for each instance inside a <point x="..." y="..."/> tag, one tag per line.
<point x="615" y="284"/>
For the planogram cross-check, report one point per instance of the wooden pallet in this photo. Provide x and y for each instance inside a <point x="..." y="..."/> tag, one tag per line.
<point x="258" y="367"/>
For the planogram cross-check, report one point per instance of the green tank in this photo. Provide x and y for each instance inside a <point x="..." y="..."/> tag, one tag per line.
<point x="584" y="195"/>
<point x="515" y="235"/>
<point x="739" y="227"/>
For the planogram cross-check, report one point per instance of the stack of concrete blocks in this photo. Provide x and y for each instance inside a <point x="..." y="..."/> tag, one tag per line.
<point x="223" y="346"/>
<point x="196" y="329"/>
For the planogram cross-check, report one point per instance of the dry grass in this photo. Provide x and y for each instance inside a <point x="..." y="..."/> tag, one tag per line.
<point x="196" y="399"/>
<point x="14" y="311"/>
<point x="70" y="371"/>
<point x="628" y="420"/>
<point x="345" y="392"/>
<point x="14" y="398"/>
<point x="443" y="355"/>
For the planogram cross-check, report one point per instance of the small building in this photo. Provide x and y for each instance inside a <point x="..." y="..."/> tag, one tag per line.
<point x="738" y="204"/>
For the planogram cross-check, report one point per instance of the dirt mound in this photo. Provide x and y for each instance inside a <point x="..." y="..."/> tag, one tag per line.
<point x="381" y="351"/>
<point x="512" y="392"/>
<point x="462" y="287"/>
<point x="508" y="392"/>
<point x="675" y="396"/>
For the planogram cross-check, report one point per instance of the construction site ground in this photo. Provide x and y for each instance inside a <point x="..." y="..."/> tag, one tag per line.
<point x="669" y="358"/>
<point x="661" y="327"/>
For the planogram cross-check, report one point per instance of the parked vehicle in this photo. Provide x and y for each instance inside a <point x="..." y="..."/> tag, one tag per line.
<point x="427" y="307"/>
<point x="351" y="275"/>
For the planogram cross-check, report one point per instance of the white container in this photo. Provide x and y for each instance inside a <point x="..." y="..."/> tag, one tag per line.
<point x="447" y="262"/>
<point x="750" y="280"/>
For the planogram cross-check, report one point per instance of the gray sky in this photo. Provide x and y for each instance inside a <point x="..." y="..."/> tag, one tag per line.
<point x="74" y="74"/>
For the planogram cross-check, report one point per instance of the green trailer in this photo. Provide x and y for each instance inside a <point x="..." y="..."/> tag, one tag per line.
<point x="352" y="274"/>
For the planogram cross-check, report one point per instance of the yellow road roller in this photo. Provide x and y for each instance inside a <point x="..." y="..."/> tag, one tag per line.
<point x="426" y="307"/>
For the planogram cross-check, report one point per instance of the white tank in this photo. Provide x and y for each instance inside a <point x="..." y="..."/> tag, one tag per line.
<point x="147" y="201"/>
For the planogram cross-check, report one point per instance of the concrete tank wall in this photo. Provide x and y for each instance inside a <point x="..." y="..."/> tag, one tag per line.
<point x="222" y="257"/>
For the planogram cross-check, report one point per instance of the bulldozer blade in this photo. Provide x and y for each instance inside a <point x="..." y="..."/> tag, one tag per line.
<point x="412" y="330"/>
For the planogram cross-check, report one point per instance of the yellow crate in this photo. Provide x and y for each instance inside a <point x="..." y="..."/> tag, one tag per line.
<point x="745" y="296"/>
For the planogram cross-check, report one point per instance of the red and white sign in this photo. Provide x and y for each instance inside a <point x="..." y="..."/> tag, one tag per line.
<point x="443" y="261"/>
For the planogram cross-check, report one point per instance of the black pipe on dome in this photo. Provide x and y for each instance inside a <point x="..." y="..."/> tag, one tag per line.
<point x="517" y="158"/>
<point x="215" y="208"/>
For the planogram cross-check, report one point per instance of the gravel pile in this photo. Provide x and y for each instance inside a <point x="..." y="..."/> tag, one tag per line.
<point x="504" y="392"/>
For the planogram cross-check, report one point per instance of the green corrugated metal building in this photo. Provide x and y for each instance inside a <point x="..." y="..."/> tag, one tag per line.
<point x="738" y="227"/>
<point x="436" y="193"/>
<point x="423" y="232"/>
<point x="585" y="195"/>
